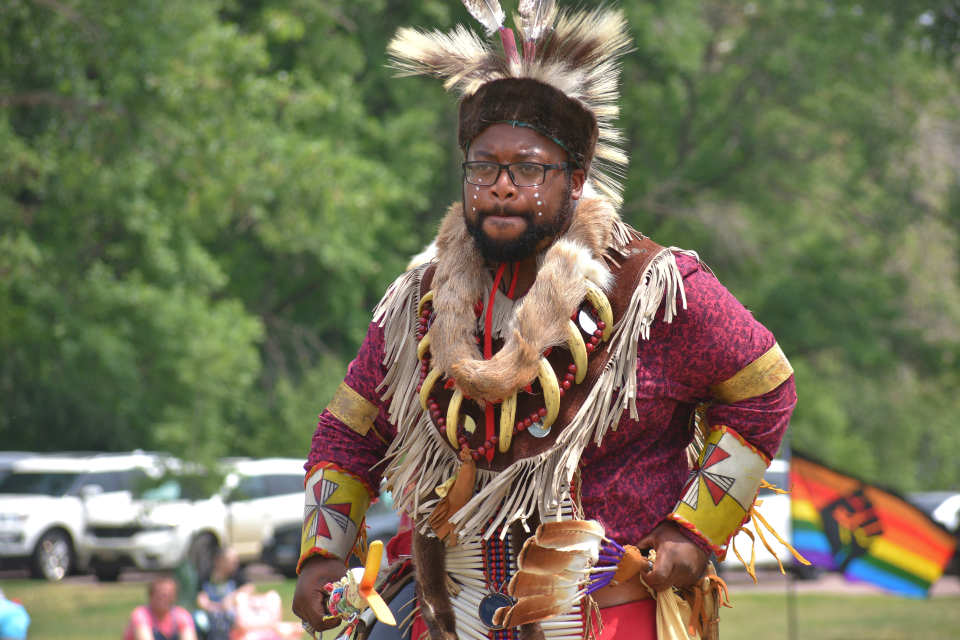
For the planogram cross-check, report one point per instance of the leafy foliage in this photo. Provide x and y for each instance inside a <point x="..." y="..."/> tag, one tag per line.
<point x="201" y="201"/>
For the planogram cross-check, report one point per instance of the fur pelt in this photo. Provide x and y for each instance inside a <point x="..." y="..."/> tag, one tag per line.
<point x="541" y="317"/>
<point x="435" y="608"/>
<point x="544" y="108"/>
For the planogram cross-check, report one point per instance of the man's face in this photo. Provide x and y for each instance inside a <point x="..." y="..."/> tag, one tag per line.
<point x="510" y="223"/>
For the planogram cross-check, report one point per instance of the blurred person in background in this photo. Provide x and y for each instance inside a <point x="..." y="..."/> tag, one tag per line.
<point x="188" y="583"/>
<point x="13" y="619"/>
<point x="161" y="619"/>
<point x="218" y="595"/>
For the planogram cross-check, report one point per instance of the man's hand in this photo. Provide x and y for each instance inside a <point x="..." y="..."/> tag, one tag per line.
<point x="680" y="562"/>
<point x="309" y="600"/>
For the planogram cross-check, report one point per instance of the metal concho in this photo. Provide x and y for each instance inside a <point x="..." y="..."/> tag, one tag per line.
<point x="489" y="605"/>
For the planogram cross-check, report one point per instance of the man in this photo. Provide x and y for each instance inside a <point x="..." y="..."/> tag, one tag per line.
<point x="545" y="365"/>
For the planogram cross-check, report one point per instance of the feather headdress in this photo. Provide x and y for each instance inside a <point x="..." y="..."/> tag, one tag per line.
<point x="564" y="86"/>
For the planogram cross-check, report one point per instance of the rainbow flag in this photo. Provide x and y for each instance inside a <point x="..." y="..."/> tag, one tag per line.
<point x="868" y="534"/>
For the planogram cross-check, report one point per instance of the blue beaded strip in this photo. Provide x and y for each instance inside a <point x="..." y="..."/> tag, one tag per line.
<point x="497" y="571"/>
<point x="517" y="123"/>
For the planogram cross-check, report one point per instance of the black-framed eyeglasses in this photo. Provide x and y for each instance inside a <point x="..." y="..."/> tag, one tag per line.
<point x="523" y="174"/>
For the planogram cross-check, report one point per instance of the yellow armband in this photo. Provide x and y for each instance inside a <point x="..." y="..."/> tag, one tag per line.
<point x="335" y="503"/>
<point x="761" y="376"/>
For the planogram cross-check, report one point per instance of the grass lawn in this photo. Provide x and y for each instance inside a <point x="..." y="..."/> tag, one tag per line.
<point x="841" y="617"/>
<point x="97" y="611"/>
<point x="93" y="611"/>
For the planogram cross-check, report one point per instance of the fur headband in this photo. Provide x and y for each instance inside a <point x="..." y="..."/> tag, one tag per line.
<point x="544" y="108"/>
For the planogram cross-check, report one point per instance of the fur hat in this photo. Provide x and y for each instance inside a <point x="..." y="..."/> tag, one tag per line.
<point x="538" y="105"/>
<point x="564" y="86"/>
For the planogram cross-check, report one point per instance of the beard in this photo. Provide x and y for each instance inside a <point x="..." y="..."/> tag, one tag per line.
<point x="525" y="245"/>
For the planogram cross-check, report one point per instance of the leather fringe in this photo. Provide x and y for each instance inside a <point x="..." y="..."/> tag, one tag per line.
<point x="420" y="459"/>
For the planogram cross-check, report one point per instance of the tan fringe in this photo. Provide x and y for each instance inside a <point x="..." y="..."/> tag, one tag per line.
<point x="621" y="236"/>
<point x="396" y="313"/>
<point x="503" y="310"/>
<point x="661" y="281"/>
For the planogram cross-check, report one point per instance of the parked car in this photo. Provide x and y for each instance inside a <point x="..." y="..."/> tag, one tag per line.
<point x="282" y="549"/>
<point x="941" y="506"/>
<point x="45" y="501"/>
<point x="262" y="496"/>
<point x="947" y="513"/>
<point x="944" y="508"/>
<point x="171" y="514"/>
<point x="7" y="460"/>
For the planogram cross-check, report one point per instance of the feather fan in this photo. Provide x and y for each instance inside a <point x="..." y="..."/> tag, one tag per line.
<point x="572" y="536"/>
<point x="529" y="609"/>
<point x="588" y="529"/>
<point x="536" y="559"/>
<point x="525" y="584"/>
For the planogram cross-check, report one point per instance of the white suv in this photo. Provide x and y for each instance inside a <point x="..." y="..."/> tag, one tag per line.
<point x="262" y="496"/>
<point x="45" y="502"/>
<point x="173" y="514"/>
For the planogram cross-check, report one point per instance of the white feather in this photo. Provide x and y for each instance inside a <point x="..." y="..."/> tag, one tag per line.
<point x="536" y="17"/>
<point x="487" y="12"/>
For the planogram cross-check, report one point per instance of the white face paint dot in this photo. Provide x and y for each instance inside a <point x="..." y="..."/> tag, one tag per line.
<point x="474" y="208"/>
<point x="478" y="188"/>
<point x="539" y="213"/>
<point x="539" y="203"/>
<point x="474" y="197"/>
<point x="536" y="195"/>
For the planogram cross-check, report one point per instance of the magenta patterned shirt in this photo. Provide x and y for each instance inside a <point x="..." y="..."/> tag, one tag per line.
<point x="633" y="480"/>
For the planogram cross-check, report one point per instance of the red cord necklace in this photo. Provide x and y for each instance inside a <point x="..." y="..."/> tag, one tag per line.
<point x="488" y="342"/>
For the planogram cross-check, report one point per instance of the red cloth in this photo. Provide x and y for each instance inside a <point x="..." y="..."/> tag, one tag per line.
<point x="630" y="621"/>
<point x="418" y="629"/>
<point x="634" y="479"/>
<point x="400" y="545"/>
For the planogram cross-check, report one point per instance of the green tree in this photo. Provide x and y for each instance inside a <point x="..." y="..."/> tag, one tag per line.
<point x="200" y="202"/>
<point x="805" y="149"/>
<point x="194" y="204"/>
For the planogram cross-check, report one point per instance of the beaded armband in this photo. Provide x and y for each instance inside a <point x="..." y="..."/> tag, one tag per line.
<point x="718" y="498"/>
<point x="334" y="506"/>
<point x="719" y="494"/>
